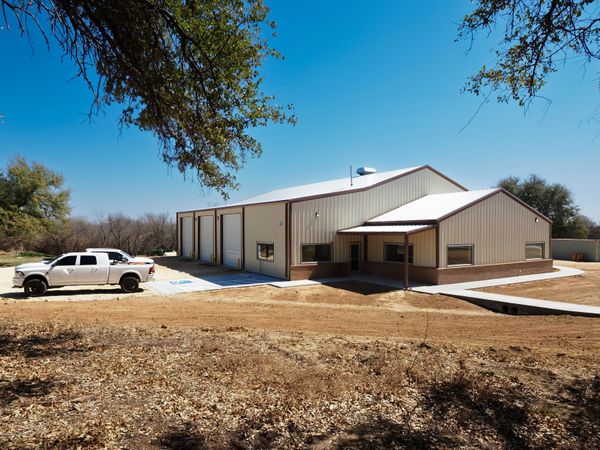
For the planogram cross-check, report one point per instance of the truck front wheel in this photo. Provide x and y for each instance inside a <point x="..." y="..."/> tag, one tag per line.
<point x="129" y="284"/>
<point x="35" y="287"/>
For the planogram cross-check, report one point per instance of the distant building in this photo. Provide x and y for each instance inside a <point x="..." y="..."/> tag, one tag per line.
<point x="369" y="225"/>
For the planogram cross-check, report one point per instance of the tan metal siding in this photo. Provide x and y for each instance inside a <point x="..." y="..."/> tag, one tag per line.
<point x="498" y="228"/>
<point x="265" y="223"/>
<point x="347" y="210"/>
<point x="423" y="247"/>
<point x="341" y="247"/>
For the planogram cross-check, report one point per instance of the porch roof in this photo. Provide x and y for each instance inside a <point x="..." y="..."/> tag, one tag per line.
<point x="385" y="229"/>
<point x="432" y="208"/>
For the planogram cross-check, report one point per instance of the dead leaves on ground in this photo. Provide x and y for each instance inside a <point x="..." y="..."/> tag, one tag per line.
<point x="66" y="387"/>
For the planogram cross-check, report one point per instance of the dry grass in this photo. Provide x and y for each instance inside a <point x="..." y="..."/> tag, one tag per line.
<point x="67" y="386"/>
<point x="15" y="258"/>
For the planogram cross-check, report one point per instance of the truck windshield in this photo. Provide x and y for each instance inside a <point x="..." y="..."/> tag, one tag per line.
<point x="51" y="261"/>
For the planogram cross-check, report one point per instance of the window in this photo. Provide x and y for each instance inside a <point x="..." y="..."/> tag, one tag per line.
<point x="67" y="261"/>
<point x="87" y="260"/>
<point x="316" y="252"/>
<point x="534" y="250"/>
<point x="265" y="251"/>
<point x="395" y="253"/>
<point x="115" y="256"/>
<point x="460" y="255"/>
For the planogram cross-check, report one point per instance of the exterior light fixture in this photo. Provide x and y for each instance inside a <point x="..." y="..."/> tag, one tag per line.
<point x="536" y="220"/>
<point x="317" y="214"/>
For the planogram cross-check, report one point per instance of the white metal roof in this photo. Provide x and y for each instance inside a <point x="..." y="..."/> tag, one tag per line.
<point x="431" y="207"/>
<point x="381" y="229"/>
<point x="323" y="188"/>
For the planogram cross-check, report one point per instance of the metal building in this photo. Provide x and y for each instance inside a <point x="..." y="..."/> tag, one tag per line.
<point x="576" y="249"/>
<point x="368" y="225"/>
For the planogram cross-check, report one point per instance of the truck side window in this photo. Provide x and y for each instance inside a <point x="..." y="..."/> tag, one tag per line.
<point x="115" y="256"/>
<point x="87" y="260"/>
<point x="67" y="261"/>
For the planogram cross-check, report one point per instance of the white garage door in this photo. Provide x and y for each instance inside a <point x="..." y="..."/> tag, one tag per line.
<point x="207" y="238"/>
<point x="187" y="237"/>
<point x="232" y="240"/>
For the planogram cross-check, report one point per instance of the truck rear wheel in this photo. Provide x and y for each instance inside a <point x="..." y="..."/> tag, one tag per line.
<point x="129" y="283"/>
<point x="35" y="287"/>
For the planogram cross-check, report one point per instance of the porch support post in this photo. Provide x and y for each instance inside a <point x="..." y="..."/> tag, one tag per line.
<point x="405" y="263"/>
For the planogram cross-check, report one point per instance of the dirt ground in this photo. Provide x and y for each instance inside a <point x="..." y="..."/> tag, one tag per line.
<point x="349" y="365"/>
<point x="584" y="289"/>
<point x="348" y="309"/>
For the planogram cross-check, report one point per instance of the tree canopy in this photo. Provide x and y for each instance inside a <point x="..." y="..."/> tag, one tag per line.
<point x="185" y="70"/>
<point x="537" y="36"/>
<point x="553" y="200"/>
<point x="32" y="200"/>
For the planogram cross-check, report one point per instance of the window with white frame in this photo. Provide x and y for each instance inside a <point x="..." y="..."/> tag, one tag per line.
<point x="265" y="251"/>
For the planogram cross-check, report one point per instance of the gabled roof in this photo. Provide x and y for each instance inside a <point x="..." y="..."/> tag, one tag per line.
<point x="331" y="187"/>
<point x="326" y="187"/>
<point x="431" y="208"/>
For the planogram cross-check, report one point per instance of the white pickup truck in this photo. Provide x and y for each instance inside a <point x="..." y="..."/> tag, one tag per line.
<point x="81" y="268"/>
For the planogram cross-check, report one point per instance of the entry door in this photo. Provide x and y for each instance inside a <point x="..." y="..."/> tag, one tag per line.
<point x="207" y="238"/>
<point x="232" y="240"/>
<point x="64" y="271"/>
<point x="89" y="272"/>
<point x="354" y="256"/>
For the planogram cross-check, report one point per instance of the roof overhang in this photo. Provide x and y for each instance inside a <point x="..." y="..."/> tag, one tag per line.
<point x="386" y="229"/>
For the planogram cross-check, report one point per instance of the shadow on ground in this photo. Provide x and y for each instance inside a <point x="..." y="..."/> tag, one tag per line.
<point x="74" y="292"/>
<point x="11" y="390"/>
<point x="192" y="267"/>
<point x="360" y="287"/>
<point x="35" y="346"/>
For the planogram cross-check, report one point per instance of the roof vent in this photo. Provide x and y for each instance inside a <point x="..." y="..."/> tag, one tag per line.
<point x="365" y="171"/>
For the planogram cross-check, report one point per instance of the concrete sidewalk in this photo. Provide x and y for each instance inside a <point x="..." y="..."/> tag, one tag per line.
<point x="510" y="304"/>
<point x="442" y="288"/>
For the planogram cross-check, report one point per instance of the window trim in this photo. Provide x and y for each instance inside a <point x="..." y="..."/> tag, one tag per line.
<point x="68" y="265"/>
<point x="472" y="263"/>
<point x="401" y="244"/>
<point x="543" y="243"/>
<point x="261" y="259"/>
<point x="329" y="261"/>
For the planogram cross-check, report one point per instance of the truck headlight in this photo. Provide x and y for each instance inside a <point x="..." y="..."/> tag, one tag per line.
<point x="19" y="274"/>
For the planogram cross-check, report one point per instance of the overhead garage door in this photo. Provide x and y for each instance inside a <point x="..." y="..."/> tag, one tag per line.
<point x="187" y="237"/>
<point x="232" y="240"/>
<point x="207" y="238"/>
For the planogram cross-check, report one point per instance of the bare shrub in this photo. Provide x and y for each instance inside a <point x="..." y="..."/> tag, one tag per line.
<point x="147" y="234"/>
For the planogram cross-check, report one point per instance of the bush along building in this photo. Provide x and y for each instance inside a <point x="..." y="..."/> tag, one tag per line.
<point x="414" y="224"/>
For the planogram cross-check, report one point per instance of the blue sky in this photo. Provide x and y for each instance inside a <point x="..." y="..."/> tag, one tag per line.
<point x="371" y="86"/>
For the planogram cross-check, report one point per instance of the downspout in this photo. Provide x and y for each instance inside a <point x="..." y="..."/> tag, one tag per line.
<point x="405" y="267"/>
